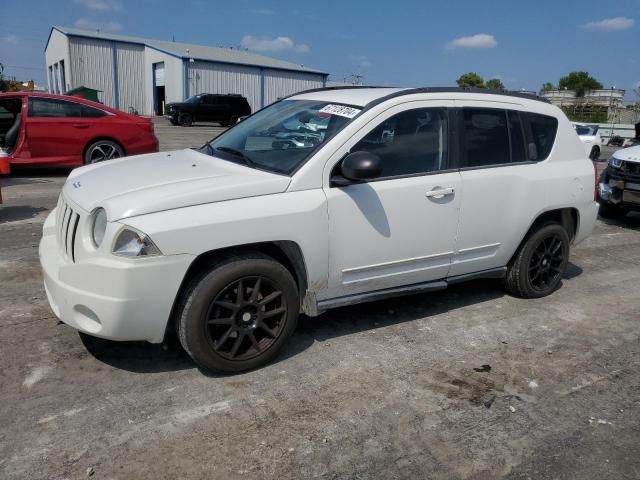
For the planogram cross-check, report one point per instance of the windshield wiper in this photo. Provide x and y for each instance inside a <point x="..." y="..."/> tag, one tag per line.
<point x="237" y="153"/>
<point x="207" y="146"/>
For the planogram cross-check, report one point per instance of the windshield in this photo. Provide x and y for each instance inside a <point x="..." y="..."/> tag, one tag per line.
<point x="282" y="136"/>
<point x="193" y="99"/>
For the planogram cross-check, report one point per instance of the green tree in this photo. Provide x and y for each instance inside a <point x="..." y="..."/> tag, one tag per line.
<point x="495" y="84"/>
<point x="548" y="86"/>
<point x="580" y="82"/>
<point x="470" y="80"/>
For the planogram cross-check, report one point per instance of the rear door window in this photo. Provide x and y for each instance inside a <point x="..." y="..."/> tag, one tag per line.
<point x="90" y="112"/>
<point x="53" y="108"/>
<point x="486" y="137"/>
<point x="518" y="152"/>
<point x="542" y="132"/>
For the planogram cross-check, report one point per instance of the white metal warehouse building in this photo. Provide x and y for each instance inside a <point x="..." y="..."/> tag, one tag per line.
<point x="143" y="74"/>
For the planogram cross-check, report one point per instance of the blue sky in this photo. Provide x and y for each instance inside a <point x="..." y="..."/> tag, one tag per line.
<point x="400" y="42"/>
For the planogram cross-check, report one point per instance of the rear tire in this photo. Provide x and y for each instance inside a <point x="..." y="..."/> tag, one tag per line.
<point x="609" y="211"/>
<point x="238" y="315"/>
<point x="102" y="150"/>
<point x="538" y="266"/>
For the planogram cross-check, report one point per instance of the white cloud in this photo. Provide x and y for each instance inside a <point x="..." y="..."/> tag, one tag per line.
<point x="361" y="60"/>
<point x="101" y="5"/>
<point x="102" y="26"/>
<point x="272" y="44"/>
<point x="480" y="40"/>
<point x="262" y="11"/>
<point x="611" y="24"/>
<point x="11" y="38"/>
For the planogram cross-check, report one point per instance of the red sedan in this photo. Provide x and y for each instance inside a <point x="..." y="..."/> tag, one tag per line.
<point x="47" y="130"/>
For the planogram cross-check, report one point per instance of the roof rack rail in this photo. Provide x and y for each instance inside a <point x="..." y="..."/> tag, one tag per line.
<point x="410" y="91"/>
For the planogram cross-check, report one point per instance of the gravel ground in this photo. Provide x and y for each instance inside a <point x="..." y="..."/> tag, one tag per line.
<point x="465" y="383"/>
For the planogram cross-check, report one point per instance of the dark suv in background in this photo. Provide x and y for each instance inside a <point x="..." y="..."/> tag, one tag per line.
<point x="206" y="107"/>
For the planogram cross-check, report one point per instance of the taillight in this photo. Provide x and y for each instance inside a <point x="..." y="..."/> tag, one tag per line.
<point x="595" y="181"/>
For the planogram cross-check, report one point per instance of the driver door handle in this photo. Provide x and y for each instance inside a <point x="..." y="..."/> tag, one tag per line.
<point x="439" y="192"/>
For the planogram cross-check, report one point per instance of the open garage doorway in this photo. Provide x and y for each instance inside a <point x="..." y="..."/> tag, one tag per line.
<point x="158" y="88"/>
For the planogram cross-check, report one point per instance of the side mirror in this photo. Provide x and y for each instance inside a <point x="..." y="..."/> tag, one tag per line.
<point x="533" y="151"/>
<point x="359" y="166"/>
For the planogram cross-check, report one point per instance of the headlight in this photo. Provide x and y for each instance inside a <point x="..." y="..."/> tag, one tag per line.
<point x="130" y="243"/>
<point x="99" y="226"/>
<point x="615" y="162"/>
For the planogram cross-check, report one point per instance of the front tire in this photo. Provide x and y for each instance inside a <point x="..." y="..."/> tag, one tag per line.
<point x="186" y="120"/>
<point x="595" y="153"/>
<point x="537" y="269"/>
<point x="238" y="315"/>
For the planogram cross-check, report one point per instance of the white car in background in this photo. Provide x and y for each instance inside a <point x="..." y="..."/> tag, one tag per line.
<point x="401" y="191"/>
<point x="590" y="138"/>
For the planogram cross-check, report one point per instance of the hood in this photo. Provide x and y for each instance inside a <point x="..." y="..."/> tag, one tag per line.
<point x="155" y="182"/>
<point x="631" y="154"/>
<point x="176" y="104"/>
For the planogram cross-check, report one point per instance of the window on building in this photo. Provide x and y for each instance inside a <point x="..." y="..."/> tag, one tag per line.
<point x="410" y="142"/>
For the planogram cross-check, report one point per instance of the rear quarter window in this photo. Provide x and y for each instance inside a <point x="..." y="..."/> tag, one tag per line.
<point x="542" y="132"/>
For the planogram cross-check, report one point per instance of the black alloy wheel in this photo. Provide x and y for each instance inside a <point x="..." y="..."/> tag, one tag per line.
<point x="537" y="268"/>
<point x="238" y="313"/>
<point x="547" y="260"/>
<point x="246" y="318"/>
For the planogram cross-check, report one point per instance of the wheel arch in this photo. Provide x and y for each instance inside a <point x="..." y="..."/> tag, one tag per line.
<point x="568" y="217"/>
<point x="102" y="137"/>
<point x="288" y="253"/>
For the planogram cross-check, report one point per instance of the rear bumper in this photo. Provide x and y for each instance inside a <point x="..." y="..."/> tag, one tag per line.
<point x="112" y="298"/>
<point x="150" y="145"/>
<point x="587" y="220"/>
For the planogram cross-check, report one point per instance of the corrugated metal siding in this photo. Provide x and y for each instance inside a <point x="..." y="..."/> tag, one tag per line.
<point x="206" y="77"/>
<point x="92" y="66"/>
<point x="131" y="79"/>
<point x="279" y="84"/>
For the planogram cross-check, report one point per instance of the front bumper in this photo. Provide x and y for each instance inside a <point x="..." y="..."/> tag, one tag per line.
<point x="619" y="189"/>
<point x="111" y="297"/>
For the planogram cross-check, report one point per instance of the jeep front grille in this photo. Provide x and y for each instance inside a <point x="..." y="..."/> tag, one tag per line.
<point x="632" y="168"/>
<point x="67" y="224"/>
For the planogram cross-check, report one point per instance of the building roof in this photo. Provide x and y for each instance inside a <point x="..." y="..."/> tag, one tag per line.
<point x="197" y="52"/>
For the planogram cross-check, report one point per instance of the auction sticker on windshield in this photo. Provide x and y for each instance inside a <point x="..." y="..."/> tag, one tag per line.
<point x="341" y="110"/>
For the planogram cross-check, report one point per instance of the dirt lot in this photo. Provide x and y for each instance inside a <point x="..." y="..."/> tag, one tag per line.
<point x="466" y="383"/>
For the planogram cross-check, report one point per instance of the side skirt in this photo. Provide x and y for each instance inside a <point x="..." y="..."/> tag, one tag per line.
<point x="316" y="308"/>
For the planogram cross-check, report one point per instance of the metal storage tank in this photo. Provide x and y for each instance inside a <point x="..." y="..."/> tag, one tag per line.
<point x="143" y="74"/>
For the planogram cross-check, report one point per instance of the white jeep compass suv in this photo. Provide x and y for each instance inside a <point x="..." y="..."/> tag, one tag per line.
<point x="327" y="198"/>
